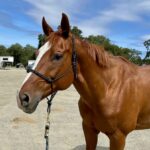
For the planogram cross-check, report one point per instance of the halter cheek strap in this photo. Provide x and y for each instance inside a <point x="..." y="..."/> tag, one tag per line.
<point x="74" y="58"/>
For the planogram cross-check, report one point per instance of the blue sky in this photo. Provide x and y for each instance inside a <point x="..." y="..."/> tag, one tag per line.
<point x="124" y="22"/>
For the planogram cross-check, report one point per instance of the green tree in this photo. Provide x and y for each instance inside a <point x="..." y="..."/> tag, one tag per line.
<point x="134" y="56"/>
<point x="16" y="51"/>
<point x="76" y="31"/>
<point x="147" y="44"/>
<point x="146" y="60"/>
<point x="41" y="39"/>
<point x="99" y="40"/>
<point x="28" y="53"/>
<point x="3" y="50"/>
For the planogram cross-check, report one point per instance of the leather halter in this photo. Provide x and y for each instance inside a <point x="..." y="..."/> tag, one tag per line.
<point x="74" y="67"/>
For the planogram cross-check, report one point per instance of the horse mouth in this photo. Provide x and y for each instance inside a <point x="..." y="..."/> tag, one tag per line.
<point x="30" y="109"/>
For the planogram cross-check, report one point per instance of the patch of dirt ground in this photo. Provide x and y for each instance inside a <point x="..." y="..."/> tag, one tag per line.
<point x="20" y="131"/>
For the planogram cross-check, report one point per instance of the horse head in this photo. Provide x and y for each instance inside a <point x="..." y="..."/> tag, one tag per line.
<point x="52" y="70"/>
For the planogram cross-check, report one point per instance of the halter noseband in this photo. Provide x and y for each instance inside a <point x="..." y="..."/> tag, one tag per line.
<point x="74" y="67"/>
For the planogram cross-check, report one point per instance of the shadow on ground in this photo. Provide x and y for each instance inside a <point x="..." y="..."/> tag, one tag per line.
<point x="82" y="147"/>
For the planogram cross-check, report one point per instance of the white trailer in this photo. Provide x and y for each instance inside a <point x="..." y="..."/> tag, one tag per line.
<point x="31" y="62"/>
<point x="5" y="60"/>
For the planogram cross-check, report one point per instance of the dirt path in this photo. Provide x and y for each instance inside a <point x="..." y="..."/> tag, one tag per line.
<point x="20" y="131"/>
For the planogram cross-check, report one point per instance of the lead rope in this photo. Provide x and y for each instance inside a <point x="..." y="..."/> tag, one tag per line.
<point x="49" y="100"/>
<point x="47" y="126"/>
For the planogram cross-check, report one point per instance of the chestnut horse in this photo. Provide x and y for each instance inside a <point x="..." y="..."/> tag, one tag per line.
<point x="114" y="93"/>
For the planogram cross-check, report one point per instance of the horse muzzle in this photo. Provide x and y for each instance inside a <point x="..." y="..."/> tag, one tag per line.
<point x="26" y="103"/>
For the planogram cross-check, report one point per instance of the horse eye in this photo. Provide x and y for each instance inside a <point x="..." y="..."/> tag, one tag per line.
<point x="57" y="56"/>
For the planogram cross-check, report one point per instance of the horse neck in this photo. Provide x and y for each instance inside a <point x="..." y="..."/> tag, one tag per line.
<point x="91" y="80"/>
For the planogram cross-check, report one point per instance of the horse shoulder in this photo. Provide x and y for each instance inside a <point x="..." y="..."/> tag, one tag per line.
<point x="121" y="99"/>
<point x="85" y="112"/>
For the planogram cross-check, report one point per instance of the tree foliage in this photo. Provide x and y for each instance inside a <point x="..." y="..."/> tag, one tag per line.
<point x="41" y="39"/>
<point x="28" y="54"/>
<point x="146" y="60"/>
<point x="23" y="54"/>
<point x="99" y="40"/>
<point x="147" y="44"/>
<point x="16" y="50"/>
<point x="3" y="50"/>
<point x="76" y="31"/>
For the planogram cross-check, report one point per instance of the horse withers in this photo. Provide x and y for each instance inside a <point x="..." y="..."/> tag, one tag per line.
<point x="114" y="93"/>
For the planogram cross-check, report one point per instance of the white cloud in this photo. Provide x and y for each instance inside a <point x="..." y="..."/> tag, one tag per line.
<point x="145" y="37"/>
<point x="100" y="23"/>
<point x="124" y="10"/>
<point x="52" y="9"/>
<point x="120" y="10"/>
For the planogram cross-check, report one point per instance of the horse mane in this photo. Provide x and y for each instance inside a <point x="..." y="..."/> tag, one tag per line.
<point x="98" y="53"/>
<point x="102" y="57"/>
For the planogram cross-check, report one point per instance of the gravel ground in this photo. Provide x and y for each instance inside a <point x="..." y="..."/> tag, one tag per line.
<point x="20" y="131"/>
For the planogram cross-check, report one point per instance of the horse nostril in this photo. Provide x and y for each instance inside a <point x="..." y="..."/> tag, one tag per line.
<point x="24" y="100"/>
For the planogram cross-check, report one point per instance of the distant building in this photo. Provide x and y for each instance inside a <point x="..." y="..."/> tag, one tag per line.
<point x="6" y="60"/>
<point x="31" y="62"/>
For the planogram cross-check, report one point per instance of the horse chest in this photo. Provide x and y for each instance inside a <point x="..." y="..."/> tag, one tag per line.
<point x="103" y="123"/>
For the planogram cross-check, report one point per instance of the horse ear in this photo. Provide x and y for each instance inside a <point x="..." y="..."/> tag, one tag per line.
<point x="65" y="27"/>
<point x="46" y="28"/>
